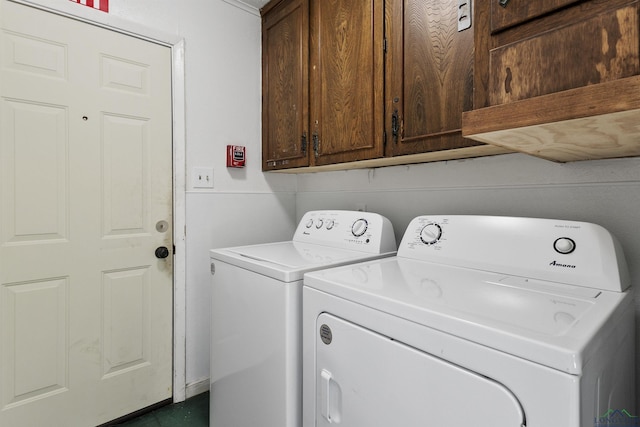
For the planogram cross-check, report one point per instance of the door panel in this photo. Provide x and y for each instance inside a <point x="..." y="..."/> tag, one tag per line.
<point x="24" y="145"/>
<point x="34" y="322"/>
<point x="125" y="153"/>
<point x="85" y="175"/>
<point x="364" y="379"/>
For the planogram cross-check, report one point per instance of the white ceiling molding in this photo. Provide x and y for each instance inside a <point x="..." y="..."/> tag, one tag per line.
<point x="251" y="6"/>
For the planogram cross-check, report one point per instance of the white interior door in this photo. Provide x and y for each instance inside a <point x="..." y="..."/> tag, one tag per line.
<point x="85" y="200"/>
<point x="364" y="379"/>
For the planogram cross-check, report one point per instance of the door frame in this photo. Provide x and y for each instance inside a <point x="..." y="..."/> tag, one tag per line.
<point x="177" y="46"/>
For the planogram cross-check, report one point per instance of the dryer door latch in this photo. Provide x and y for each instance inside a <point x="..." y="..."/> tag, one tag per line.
<point x="330" y="397"/>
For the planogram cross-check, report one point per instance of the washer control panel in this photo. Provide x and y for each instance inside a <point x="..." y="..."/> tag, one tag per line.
<point x="364" y="231"/>
<point x="571" y="252"/>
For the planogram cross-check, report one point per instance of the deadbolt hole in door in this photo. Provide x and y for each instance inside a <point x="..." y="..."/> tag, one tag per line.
<point x="364" y="379"/>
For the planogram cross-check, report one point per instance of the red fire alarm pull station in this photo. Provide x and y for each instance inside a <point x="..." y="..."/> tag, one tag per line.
<point x="235" y="156"/>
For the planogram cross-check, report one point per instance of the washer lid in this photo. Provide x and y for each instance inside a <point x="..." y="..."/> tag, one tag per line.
<point x="553" y="324"/>
<point x="288" y="261"/>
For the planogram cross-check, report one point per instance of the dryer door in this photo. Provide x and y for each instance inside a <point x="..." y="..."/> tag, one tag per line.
<point x="364" y="379"/>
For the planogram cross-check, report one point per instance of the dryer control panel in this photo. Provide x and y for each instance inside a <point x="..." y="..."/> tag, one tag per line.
<point x="571" y="252"/>
<point x="363" y="231"/>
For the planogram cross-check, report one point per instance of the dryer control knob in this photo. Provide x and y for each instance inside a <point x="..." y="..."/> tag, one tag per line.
<point x="564" y="245"/>
<point x="431" y="233"/>
<point x="319" y="224"/>
<point x="359" y="227"/>
<point x="309" y="223"/>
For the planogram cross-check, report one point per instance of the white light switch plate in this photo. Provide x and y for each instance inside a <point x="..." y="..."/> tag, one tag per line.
<point x="202" y="177"/>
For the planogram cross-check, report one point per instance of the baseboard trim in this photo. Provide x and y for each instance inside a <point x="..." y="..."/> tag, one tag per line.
<point x="198" y="387"/>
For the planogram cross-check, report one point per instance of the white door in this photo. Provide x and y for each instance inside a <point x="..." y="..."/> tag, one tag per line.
<point x="364" y="379"/>
<point x="85" y="200"/>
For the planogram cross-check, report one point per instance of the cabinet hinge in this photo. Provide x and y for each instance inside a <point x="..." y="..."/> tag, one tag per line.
<point x="316" y="144"/>
<point x="395" y="126"/>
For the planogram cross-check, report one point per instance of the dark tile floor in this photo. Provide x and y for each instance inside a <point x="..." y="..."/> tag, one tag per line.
<point x="194" y="412"/>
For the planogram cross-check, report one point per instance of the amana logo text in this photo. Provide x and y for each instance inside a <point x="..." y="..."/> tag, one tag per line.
<point x="557" y="264"/>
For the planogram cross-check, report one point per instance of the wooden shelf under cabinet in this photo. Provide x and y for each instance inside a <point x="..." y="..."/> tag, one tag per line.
<point x="592" y="122"/>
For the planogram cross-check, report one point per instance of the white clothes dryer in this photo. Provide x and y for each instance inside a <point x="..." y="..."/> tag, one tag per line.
<point x="478" y="321"/>
<point x="256" y="336"/>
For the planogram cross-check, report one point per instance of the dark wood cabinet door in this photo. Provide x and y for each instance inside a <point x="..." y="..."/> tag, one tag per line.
<point x="285" y="90"/>
<point x="346" y="80"/>
<point x="429" y="76"/>
<point x="579" y="44"/>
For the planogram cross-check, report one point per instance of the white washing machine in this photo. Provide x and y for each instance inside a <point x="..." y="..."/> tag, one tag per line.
<point x="478" y="321"/>
<point x="256" y="336"/>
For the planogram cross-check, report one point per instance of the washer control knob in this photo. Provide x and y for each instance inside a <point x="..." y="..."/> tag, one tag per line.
<point x="309" y="223"/>
<point x="330" y="224"/>
<point x="431" y="233"/>
<point x="319" y="224"/>
<point x="564" y="245"/>
<point x="359" y="227"/>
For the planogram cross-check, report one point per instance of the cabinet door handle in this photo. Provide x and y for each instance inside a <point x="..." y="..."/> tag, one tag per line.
<point x="503" y="3"/>
<point x="303" y="143"/>
<point x="395" y="126"/>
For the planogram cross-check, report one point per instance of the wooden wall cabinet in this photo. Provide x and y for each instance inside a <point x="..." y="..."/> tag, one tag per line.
<point x="387" y="80"/>
<point x="285" y="89"/>
<point x="346" y="80"/>
<point x="429" y="69"/>
<point x="557" y="78"/>
<point x="322" y="82"/>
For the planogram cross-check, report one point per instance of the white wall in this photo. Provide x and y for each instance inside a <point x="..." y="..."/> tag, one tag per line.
<point x="223" y="108"/>
<point x="606" y="192"/>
